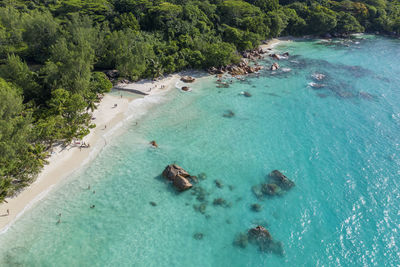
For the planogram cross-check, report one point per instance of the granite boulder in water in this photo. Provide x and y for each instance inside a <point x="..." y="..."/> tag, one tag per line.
<point x="187" y="79"/>
<point x="259" y="233"/>
<point x="277" y="184"/>
<point x="275" y="66"/>
<point x="179" y="177"/>
<point x="281" y="180"/>
<point x="261" y="237"/>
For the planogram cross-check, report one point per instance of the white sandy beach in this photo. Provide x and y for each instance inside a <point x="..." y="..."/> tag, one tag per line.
<point x="64" y="161"/>
<point x="273" y="42"/>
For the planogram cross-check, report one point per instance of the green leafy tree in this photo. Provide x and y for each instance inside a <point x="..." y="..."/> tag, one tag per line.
<point x="321" y="20"/>
<point x="69" y="108"/>
<point x="346" y="23"/>
<point x="69" y="66"/>
<point x="220" y="54"/>
<point x="40" y="33"/>
<point x="130" y="53"/>
<point x="20" y="160"/>
<point x="126" y="21"/>
<point x="10" y="32"/>
<point x="99" y="83"/>
<point x="17" y="71"/>
<point x="265" y="5"/>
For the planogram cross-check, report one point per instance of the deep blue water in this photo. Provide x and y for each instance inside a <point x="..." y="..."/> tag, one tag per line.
<point x="338" y="143"/>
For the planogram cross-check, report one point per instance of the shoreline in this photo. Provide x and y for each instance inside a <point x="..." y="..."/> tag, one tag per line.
<point x="65" y="161"/>
<point x="270" y="44"/>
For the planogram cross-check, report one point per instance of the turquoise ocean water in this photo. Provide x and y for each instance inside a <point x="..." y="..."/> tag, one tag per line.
<point x="340" y="144"/>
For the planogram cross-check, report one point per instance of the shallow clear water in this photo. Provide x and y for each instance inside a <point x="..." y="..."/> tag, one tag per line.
<point x="339" y="144"/>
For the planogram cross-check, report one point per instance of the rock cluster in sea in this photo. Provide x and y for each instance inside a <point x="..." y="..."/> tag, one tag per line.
<point x="260" y="237"/>
<point x="276" y="184"/>
<point x="243" y="67"/>
<point x="279" y="57"/>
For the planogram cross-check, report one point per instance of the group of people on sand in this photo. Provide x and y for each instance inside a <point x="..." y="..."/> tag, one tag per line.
<point x="84" y="145"/>
<point x="155" y="86"/>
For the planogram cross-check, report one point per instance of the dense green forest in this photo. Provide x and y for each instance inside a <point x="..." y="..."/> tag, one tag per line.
<point x="53" y="54"/>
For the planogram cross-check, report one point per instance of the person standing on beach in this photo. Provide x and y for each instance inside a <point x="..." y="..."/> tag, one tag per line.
<point x="8" y="212"/>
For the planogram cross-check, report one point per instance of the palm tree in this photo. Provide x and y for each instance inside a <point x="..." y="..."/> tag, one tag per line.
<point x="156" y="68"/>
<point x="91" y="100"/>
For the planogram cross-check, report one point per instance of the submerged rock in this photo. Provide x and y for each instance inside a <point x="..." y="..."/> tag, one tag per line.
<point x="179" y="177"/>
<point x="322" y="95"/>
<point x="200" y="208"/>
<point x="256" y="207"/>
<point x="153" y="203"/>
<point x="260" y="237"/>
<point x="200" y="193"/>
<point x="202" y="176"/>
<point x="241" y="240"/>
<point x="270" y="189"/>
<point x="257" y="191"/>
<point x="198" y="236"/>
<point x="246" y="94"/>
<point x="277" y="182"/>
<point x="365" y="95"/>
<point x="281" y="180"/>
<point x="219" y="184"/>
<point x="229" y="114"/>
<point x="259" y="233"/>
<point x="275" y="247"/>
<point x="221" y="202"/>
